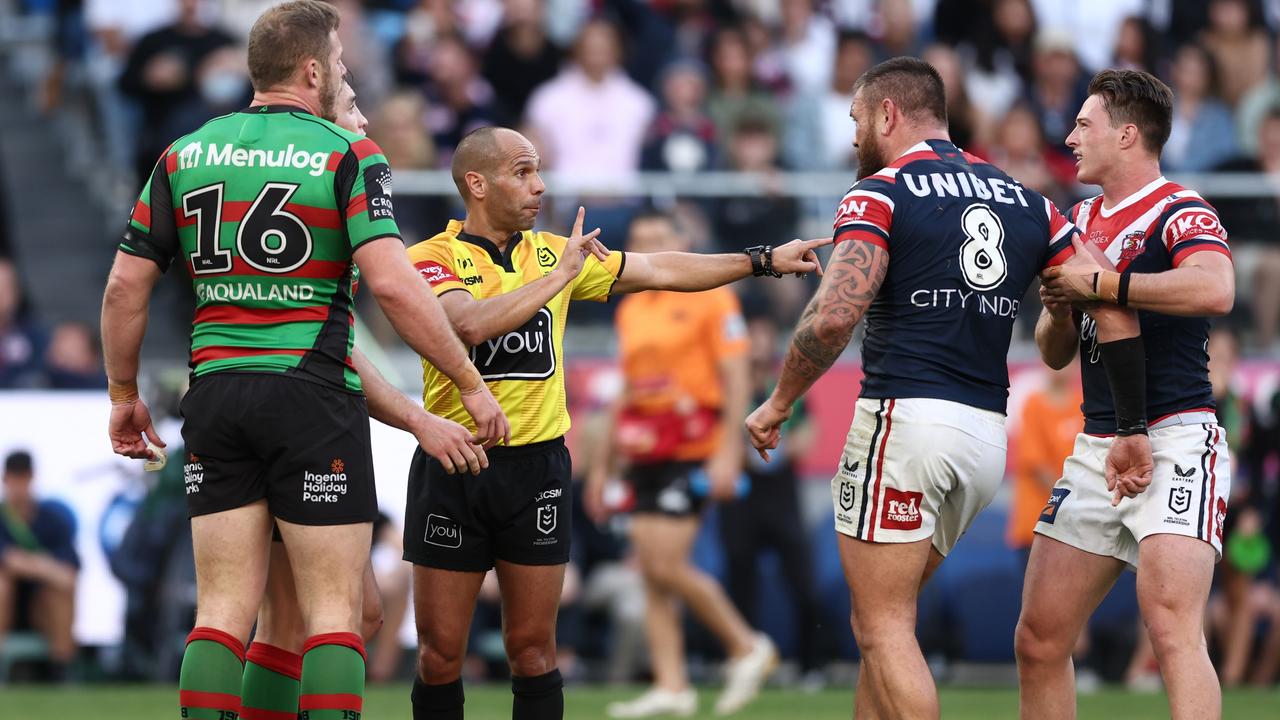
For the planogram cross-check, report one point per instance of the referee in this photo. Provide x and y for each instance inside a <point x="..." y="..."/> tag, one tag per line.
<point x="507" y="290"/>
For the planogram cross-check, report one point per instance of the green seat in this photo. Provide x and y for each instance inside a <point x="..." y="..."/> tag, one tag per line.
<point x="21" y="646"/>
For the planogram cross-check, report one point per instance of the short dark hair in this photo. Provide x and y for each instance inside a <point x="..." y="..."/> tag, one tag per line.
<point x="287" y="35"/>
<point x="475" y="152"/>
<point x="911" y="83"/>
<point x="1138" y="97"/>
<point x="18" y="462"/>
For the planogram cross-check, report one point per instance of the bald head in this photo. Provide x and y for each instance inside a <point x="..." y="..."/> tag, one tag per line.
<point x="484" y="150"/>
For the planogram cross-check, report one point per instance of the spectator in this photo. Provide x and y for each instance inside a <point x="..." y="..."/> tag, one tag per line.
<point x="683" y="137"/>
<point x="395" y="578"/>
<point x="38" y="564"/>
<point x="22" y="341"/>
<point x="223" y="81"/>
<point x="74" y="361"/>
<point x="769" y="517"/>
<point x="1253" y="219"/>
<point x="459" y="100"/>
<point x="1245" y="597"/>
<point x="1049" y="423"/>
<point x="1021" y="151"/>
<point x="591" y="116"/>
<point x="1000" y="54"/>
<point x="1089" y="26"/>
<point x="966" y="123"/>
<point x="1255" y="105"/>
<point x="114" y="26"/>
<point x="740" y="222"/>
<point x="1058" y="88"/>
<point x="897" y="28"/>
<point x="1238" y="42"/>
<point x="399" y="126"/>
<point x="521" y="56"/>
<point x="818" y="133"/>
<point x="806" y="47"/>
<point x="735" y="93"/>
<point x="1203" y="134"/>
<point x="1136" y="46"/>
<point x="160" y="75"/>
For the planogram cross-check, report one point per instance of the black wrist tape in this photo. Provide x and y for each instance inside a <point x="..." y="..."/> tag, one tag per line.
<point x="1125" y="362"/>
<point x="1122" y="297"/>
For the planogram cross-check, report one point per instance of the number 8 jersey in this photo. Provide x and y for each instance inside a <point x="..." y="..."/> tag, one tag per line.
<point x="965" y="241"/>
<point x="265" y="207"/>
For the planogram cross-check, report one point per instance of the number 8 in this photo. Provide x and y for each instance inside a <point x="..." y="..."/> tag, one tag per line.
<point x="982" y="255"/>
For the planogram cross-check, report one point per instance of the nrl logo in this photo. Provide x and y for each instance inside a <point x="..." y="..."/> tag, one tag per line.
<point x="546" y="519"/>
<point x="1179" y="499"/>
<point x="846" y="495"/>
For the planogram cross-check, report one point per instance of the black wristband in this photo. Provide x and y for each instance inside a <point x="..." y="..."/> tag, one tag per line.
<point x="1125" y="362"/>
<point x="762" y="260"/>
<point x="1122" y="295"/>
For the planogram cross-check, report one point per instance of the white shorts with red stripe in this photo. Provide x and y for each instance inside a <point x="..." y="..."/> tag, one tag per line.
<point x="917" y="468"/>
<point x="1187" y="496"/>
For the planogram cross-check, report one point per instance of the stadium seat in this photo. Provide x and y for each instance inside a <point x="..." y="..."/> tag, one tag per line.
<point x="21" y="647"/>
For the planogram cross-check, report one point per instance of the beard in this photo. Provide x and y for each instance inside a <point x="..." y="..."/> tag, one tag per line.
<point x="871" y="159"/>
<point x="329" y="95"/>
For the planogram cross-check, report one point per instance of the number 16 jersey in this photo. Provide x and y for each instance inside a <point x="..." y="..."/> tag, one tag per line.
<point x="265" y="208"/>
<point x="965" y="241"/>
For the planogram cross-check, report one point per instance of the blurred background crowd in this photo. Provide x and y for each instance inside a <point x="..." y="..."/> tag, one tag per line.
<point x="732" y="116"/>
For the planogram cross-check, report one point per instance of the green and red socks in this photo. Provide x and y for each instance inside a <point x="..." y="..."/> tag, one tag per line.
<point x="272" y="679"/>
<point x="212" y="668"/>
<point x="332" y="677"/>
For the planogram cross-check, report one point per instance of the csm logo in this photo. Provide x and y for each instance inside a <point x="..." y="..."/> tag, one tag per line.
<point x="443" y="532"/>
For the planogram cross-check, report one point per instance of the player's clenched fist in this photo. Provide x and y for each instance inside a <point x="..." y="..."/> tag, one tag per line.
<point x="765" y="427"/>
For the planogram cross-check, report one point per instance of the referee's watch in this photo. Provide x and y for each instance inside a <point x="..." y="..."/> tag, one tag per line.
<point x="762" y="261"/>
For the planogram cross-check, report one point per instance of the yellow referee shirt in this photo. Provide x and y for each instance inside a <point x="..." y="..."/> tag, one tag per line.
<point x="525" y="367"/>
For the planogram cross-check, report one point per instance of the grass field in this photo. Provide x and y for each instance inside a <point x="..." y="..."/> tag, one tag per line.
<point x="494" y="703"/>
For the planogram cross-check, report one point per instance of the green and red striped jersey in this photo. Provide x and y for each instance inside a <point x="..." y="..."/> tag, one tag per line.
<point x="265" y="207"/>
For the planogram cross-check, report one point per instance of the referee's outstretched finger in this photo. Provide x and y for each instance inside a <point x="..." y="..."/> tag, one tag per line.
<point x="577" y="223"/>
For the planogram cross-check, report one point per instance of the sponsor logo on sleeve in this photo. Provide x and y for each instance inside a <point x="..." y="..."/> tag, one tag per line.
<point x="377" y="192"/>
<point x="1193" y="224"/>
<point x="434" y="272"/>
<point x="1056" y="498"/>
<point x="901" y="509"/>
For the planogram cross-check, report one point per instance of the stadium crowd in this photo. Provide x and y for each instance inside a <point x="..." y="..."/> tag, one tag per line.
<point x="609" y="88"/>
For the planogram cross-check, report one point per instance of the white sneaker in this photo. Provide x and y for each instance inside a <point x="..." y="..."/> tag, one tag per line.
<point x="656" y="702"/>
<point x="744" y="676"/>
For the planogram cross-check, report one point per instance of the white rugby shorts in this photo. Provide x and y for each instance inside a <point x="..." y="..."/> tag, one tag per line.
<point x="916" y="468"/>
<point x="1187" y="496"/>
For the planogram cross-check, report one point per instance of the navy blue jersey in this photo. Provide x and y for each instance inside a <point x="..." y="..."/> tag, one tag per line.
<point x="965" y="241"/>
<point x="1151" y="231"/>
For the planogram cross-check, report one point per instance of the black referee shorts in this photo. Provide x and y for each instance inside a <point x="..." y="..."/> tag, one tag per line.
<point x="516" y="510"/>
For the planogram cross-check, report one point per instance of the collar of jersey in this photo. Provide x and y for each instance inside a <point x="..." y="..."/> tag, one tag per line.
<point x="502" y="261"/>
<point x="275" y="109"/>
<point x="1145" y="191"/>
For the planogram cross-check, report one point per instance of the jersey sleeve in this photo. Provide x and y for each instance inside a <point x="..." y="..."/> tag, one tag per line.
<point x="727" y="328"/>
<point x="1193" y="226"/>
<point x="596" y="280"/>
<point x="1061" y="231"/>
<point x="434" y="262"/>
<point x="152" y="232"/>
<point x="362" y="186"/>
<point x="866" y="213"/>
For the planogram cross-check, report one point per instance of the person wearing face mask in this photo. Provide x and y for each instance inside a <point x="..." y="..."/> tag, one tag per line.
<point x="160" y="75"/>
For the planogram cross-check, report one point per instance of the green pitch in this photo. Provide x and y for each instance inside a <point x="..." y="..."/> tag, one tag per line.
<point x="494" y="703"/>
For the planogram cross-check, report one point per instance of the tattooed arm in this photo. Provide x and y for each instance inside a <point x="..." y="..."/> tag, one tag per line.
<point x="853" y="278"/>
